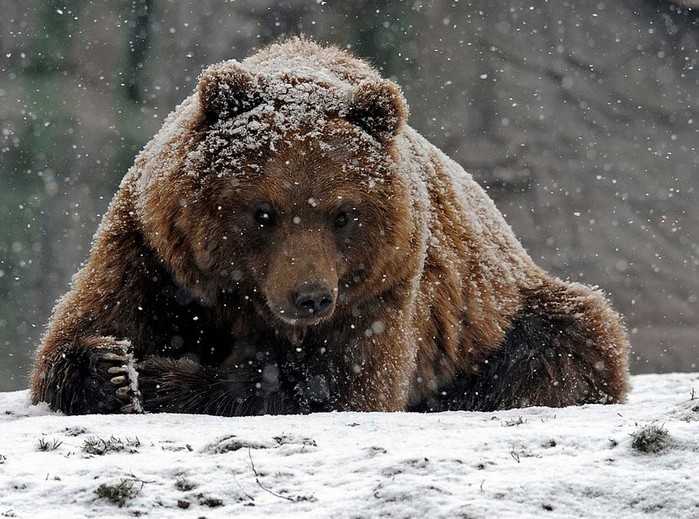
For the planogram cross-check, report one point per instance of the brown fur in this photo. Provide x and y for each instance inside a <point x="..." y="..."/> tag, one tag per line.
<point x="287" y="243"/>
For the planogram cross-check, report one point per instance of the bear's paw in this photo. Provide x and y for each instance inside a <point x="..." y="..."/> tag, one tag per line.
<point x="114" y="377"/>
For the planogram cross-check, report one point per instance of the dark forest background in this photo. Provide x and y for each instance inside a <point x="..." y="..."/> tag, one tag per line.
<point x="581" y="118"/>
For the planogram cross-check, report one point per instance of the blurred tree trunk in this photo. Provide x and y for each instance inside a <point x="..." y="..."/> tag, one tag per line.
<point x="139" y="47"/>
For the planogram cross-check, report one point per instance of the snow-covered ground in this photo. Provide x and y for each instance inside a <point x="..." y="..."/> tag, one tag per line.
<point x="537" y="462"/>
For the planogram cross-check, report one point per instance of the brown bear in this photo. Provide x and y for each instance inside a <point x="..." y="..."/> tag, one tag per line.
<point x="287" y="243"/>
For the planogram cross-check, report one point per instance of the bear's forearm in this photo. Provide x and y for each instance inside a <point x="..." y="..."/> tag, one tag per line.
<point x="184" y="386"/>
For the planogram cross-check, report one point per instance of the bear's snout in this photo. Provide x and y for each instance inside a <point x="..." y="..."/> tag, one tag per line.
<point x="303" y="304"/>
<point x="313" y="300"/>
<point x="302" y="280"/>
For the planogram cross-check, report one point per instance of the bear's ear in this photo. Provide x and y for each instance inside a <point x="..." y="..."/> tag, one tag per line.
<point x="379" y="108"/>
<point x="227" y="89"/>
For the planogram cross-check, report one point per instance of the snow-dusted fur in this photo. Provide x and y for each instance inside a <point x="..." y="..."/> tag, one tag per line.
<point x="287" y="243"/>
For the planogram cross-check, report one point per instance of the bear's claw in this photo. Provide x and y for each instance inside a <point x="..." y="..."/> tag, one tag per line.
<point x="116" y="368"/>
<point x="113" y="357"/>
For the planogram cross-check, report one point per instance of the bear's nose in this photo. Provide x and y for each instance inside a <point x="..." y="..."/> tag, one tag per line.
<point x="313" y="300"/>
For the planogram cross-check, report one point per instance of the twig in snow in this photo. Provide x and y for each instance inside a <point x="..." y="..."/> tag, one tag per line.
<point x="257" y="478"/>
<point x="514" y="454"/>
<point x="242" y="489"/>
<point x="513" y="422"/>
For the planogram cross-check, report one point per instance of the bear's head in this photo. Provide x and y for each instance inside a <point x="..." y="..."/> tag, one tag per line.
<point x="289" y="195"/>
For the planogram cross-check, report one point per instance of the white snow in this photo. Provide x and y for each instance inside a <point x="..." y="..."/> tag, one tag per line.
<point x="536" y="462"/>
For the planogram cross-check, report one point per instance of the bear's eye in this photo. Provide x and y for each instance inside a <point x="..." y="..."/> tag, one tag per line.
<point x="341" y="219"/>
<point x="264" y="215"/>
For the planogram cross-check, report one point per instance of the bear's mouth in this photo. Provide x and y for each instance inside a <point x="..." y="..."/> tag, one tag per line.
<point x="297" y="327"/>
<point x="294" y="326"/>
<point x="298" y="319"/>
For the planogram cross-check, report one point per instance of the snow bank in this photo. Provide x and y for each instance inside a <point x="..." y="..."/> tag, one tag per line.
<point x="536" y="462"/>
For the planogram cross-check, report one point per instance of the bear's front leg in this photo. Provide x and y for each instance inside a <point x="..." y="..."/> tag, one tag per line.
<point x="378" y="365"/>
<point x="565" y="346"/>
<point x="88" y="375"/>
<point x="184" y="386"/>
